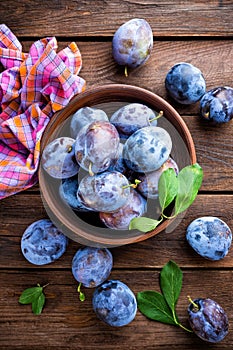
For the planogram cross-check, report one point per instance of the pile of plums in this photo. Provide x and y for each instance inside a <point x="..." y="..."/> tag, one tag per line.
<point x="121" y="157"/>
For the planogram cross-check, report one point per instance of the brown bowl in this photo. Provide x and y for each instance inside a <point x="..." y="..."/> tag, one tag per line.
<point x="85" y="229"/>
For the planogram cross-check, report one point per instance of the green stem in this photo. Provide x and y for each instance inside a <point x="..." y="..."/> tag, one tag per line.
<point x="194" y="304"/>
<point x="168" y="217"/>
<point x="179" y="324"/>
<point x="206" y="115"/>
<point x="174" y="317"/>
<point x="81" y="294"/>
<point x="157" y="117"/>
<point x="90" y="169"/>
<point x="69" y="149"/>
<point x="132" y="185"/>
<point x="183" y="327"/>
<point x="45" y="285"/>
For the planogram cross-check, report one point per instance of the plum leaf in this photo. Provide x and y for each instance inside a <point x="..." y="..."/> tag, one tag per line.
<point x="189" y="181"/>
<point x="153" y="305"/>
<point x="34" y="296"/>
<point x="171" y="284"/>
<point x="161" y="306"/>
<point x="143" y="224"/>
<point x="167" y="187"/>
<point x="182" y="188"/>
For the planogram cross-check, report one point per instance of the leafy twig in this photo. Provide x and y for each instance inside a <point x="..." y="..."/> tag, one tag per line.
<point x="162" y="307"/>
<point x="182" y="188"/>
<point x="34" y="296"/>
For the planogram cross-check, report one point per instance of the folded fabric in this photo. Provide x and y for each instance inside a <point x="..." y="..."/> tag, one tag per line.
<point x="33" y="86"/>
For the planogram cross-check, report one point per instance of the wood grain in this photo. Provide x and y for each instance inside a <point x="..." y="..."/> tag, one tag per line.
<point x="198" y="32"/>
<point x="152" y="253"/>
<point x="66" y="323"/>
<point x="102" y="18"/>
<point x="213" y="58"/>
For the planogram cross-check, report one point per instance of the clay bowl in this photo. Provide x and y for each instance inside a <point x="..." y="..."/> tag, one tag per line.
<point x="85" y="228"/>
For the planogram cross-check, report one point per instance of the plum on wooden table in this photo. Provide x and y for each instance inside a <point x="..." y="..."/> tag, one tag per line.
<point x="208" y="320"/>
<point x="216" y="105"/>
<point x="114" y="303"/>
<point x="185" y="83"/>
<point x="210" y="237"/>
<point x="42" y="242"/>
<point x="132" y="43"/>
<point x="92" y="266"/>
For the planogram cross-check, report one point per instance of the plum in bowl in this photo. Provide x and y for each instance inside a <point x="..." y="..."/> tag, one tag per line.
<point x="76" y="219"/>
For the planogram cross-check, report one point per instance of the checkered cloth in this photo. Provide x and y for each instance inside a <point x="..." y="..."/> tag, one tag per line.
<point x="33" y="86"/>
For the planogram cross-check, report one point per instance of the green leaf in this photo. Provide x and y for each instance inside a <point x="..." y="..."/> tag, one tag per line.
<point x="189" y="182"/>
<point x="34" y="296"/>
<point x="143" y="224"/>
<point x="171" y="284"/>
<point x="167" y="187"/>
<point x="154" y="306"/>
<point x="38" y="304"/>
<point x="30" y="294"/>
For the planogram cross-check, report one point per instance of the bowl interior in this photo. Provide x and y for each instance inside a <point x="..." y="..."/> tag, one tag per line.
<point x="86" y="228"/>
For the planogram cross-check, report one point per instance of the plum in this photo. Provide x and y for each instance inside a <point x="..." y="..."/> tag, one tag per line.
<point x="148" y="186"/>
<point x="58" y="158"/>
<point x="92" y="266"/>
<point x="120" y="219"/>
<point x="185" y="83"/>
<point x="147" y="149"/>
<point x="216" y="105"/>
<point x="96" y="146"/>
<point x="210" y="237"/>
<point x="42" y="242"/>
<point x="114" y="303"/>
<point x="84" y="116"/>
<point x="132" y="43"/>
<point x="208" y="320"/>
<point x="118" y="164"/>
<point x="68" y="192"/>
<point x="132" y="117"/>
<point x="107" y="191"/>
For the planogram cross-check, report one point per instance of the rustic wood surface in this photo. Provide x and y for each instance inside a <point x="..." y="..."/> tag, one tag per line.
<point x="199" y="32"/>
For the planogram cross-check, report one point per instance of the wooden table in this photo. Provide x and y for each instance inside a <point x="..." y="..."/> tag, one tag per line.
<point x="199" y="32"/>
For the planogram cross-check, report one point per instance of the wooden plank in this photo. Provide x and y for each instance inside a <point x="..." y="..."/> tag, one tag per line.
<point x="213" y="58"/>
<point x="66" y="323"/>
<point x="152" y="253"/>
<point x="214" y="153"/>
<point x="102" y="18"/>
